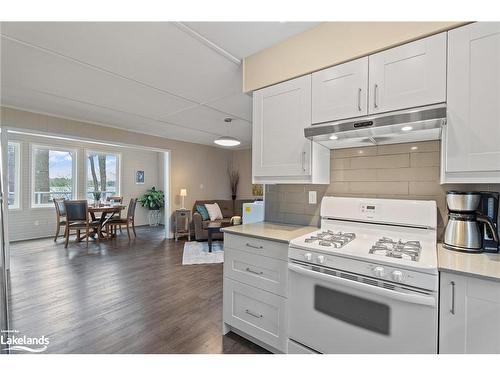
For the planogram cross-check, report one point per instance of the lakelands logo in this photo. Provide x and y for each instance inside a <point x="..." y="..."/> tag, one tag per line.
<point x="16" y="342"/>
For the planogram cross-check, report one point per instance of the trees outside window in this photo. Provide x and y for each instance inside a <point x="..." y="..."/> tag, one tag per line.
<point x="53" y="175"/>
<point x="102" y="175"/>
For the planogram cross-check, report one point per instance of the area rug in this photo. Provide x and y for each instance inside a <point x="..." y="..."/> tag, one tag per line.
<point x="197" y="253"/>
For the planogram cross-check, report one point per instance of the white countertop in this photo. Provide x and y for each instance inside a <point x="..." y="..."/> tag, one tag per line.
<point x="270" y="231"/>
<point x="485" y="265"/>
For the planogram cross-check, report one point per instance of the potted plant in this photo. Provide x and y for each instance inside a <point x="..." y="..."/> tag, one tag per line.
<point x="97" y="198"/>
<point x="153" y="200"/>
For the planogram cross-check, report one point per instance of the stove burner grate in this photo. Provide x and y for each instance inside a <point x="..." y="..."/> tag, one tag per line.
<point x="330" y="238"/>
<point x="409" y="250"/>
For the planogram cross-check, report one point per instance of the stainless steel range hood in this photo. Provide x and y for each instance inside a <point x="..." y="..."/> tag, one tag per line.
<point x="411" y="125"/>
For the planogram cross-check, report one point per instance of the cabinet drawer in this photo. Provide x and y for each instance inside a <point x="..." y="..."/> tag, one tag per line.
<point x="272" y="249"/>
<point x="259" y="314"/>
<point x="262" y="272"/>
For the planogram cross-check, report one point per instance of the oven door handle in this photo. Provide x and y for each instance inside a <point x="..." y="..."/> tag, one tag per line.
<point x="415" y="298"/>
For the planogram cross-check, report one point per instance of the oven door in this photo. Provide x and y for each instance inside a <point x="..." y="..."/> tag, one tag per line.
<point x="337" y="312"/>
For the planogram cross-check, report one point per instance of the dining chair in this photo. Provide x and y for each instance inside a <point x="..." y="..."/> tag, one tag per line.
<point x="60" y="215"/>
<point x="78" y="219"/>
<point x="116" y="199"/>
<point x="129" y="221"/>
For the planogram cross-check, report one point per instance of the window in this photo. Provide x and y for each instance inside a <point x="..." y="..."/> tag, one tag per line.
<point x="14" y="174"/>
<point x="53" y="175"/>
<point x="102" y="175"/>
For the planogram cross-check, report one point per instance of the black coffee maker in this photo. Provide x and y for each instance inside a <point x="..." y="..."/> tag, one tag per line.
<point x="489" y="207"/>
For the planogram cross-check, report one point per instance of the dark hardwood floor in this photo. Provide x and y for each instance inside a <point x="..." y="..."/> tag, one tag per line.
<point x="119" y="297"/>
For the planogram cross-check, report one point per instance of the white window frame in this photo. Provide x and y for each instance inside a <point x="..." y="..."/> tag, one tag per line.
<point x="17" y="172"/>
<point x="118" y="169"/>
<point x="74" y="187"/>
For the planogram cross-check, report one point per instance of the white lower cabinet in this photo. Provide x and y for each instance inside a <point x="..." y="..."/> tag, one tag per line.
<point x="257" y="313"/>
<point x="469" y="315"/>
<point x="261" y="272"/>
<point x="255" y="290"/>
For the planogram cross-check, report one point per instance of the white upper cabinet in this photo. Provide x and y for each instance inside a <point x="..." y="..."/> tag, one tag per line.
<point x="340" y="92"/>
<point x="471" y="141"/>
<point x="410" y="75"/>
<point x="280" y="151"/>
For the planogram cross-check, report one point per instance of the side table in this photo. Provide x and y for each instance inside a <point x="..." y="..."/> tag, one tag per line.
<point x="182" y="222"/>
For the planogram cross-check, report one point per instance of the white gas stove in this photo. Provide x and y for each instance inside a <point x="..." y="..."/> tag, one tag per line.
<point x="370" y="275"/>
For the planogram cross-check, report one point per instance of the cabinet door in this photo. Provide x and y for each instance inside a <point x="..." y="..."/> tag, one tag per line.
<point x="482" y="312"/>
<point x="280" y="114"/>
<point x="340" y="92"/>
<point x="451" y="313"/>
<point x="410" y="75"/>
<point x="473" y="131"/>
<point x="257" y="313"/>
<point x="469" y="311"/>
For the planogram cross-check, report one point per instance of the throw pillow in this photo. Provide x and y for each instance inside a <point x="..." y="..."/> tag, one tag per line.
<point x="202" y="210"/>
<point x="214" y="211"/>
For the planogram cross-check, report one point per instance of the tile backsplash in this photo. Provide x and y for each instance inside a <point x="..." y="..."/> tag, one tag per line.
<point x="400" y="171"/>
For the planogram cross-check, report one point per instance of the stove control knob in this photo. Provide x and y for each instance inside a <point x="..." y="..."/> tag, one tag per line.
<point x="321" y="259"/>
<point x="379" y="271"/>
<point x="308" y="256"/>
<point x="397" y="276"/>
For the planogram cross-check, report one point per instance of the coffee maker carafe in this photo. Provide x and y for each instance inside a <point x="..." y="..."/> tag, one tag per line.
<point x="472" y="221"/>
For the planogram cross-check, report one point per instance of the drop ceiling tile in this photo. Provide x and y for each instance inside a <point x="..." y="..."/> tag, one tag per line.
<point x="34" y="69"/>
<point x="43" y="103"/>
<point x="156" y="53"/>
<point x="210" y="120"/>
<point x="242" y="39"/>
<point x="239" y="105"/>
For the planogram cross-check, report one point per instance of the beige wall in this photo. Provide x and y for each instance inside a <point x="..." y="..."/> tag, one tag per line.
<point x="242" y="160"/>
<point x="199" y="168"/>
<point x="328" y="44"/>
<point x="388" y="171"/>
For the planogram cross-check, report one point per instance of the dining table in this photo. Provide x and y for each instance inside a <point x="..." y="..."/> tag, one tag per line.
<point x="107" y="211"/>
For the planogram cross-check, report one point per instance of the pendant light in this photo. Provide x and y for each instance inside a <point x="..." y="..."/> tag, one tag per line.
<point x="226" y="140"/>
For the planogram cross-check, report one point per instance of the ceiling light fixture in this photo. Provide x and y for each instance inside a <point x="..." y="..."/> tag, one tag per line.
<point x="406" y="128"/>
<point x="226" y="140"/>
<point x="333" y="137"/>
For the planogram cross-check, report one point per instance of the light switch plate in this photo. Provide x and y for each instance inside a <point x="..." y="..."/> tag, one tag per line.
<point x="312" y="197"/>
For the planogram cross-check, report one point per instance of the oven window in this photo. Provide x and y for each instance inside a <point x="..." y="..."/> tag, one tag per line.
<point x="351" y="309"/>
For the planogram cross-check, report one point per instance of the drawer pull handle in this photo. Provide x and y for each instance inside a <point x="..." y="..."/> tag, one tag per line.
<point x="254" y="247"/>
<point x="248" y="269"/>
<point x="255" y="315"/>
